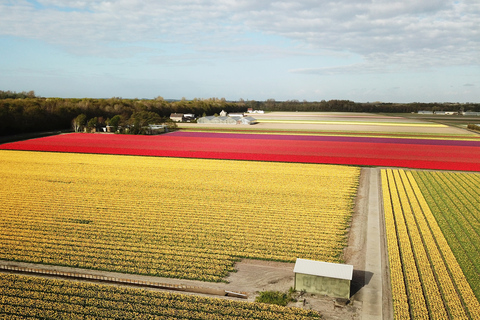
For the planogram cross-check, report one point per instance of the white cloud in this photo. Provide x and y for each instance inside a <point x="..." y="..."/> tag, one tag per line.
<point x="408" y="33"/>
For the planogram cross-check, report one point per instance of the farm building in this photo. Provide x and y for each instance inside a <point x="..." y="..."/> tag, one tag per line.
<point x="188" y="117"/>
<point x="446" y="113"/>
<point x="235" y="114"/>
<point x="425" y="112"/>
<point x="248" y="120"/>
<point x="177" y="117"/>
<point x="223" y="119"/>
<point x="331" y="279"/>
<point x="227" y="120"/>
<point x="156" y="129"/>
<point x="206" y="119"/>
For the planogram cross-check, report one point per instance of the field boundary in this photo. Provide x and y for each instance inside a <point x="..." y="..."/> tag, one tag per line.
<point x="33" y="269"/>
<point x="373" y="293"/>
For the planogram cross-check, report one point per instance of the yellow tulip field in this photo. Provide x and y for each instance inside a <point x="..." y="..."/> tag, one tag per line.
<point x="170" y="217"/>
<point x="38" y="298"/>
<point x="426" y="279"/>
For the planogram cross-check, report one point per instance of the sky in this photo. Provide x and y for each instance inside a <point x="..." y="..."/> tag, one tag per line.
<point x="313" y="50"/>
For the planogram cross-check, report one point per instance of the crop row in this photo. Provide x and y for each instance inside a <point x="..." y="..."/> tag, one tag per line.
<point x="454" y="200"/>
<point x="183" y="218"/>
<point x="412" y="153"/>
<point x="22" y="296"/>
<point x="419" y="254"/>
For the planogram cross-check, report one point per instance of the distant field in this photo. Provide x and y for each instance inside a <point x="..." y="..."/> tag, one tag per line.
<point x="349" y="122"/>
<point x="367" y="151"/>
<point x="272" y="128"/>
<point x="170" y="217"/>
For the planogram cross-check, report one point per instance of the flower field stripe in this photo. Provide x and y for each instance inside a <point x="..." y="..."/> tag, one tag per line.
<point x="433" y="259"/>
<point x="338" y="133"/>
<point x="457" y="221"/>
<point x="375" y="123"/>
<point x="454" y="272"/>
<point x="128" y="213"/>
<point x="448" y="219"/>
<point x="430" y="286"/>
<point x="25" y="296"/>
<point x="418" y="307"/>
<point x="465" y="143"/>
<point x="466" y="205"/>
<point x="470" y="184"/>
<point x="448" y="156"/>
<point x="456" y="240"/>
<point x="426" y="256"/>
<point x="399" y="293"/>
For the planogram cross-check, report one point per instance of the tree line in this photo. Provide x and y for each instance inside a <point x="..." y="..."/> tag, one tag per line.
<point x="21" y="115"/>
<point x="24" y="112"/>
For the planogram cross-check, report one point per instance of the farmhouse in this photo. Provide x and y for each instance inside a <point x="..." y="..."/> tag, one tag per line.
<point x="177" y="117"/>
<point x="331" y="279"/>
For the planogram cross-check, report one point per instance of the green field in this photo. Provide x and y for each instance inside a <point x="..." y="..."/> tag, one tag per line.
<point x="454" y="201"/>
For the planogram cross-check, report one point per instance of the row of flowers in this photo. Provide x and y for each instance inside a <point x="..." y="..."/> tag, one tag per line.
<point x="59" y="299"/>
<point x="265" y="147"/>
<point x="461" y="234"/>
<point x="419" y="253"/>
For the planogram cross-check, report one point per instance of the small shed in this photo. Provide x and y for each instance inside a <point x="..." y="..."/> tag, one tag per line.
<point x="331" y="279"/>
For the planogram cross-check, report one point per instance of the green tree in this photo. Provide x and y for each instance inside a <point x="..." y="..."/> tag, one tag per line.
<point x="79" y="122"/>
<point x="114" y="122"/>
<point x="92" y="124"/>
<point x="141" y="119"/>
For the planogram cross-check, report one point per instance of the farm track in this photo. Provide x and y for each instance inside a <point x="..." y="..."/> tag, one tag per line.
<point x="112" y="278"/>
<point x="366" y="250"/>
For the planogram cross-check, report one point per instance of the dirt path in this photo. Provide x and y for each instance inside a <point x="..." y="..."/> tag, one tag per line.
<point x="370" y="262"/>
